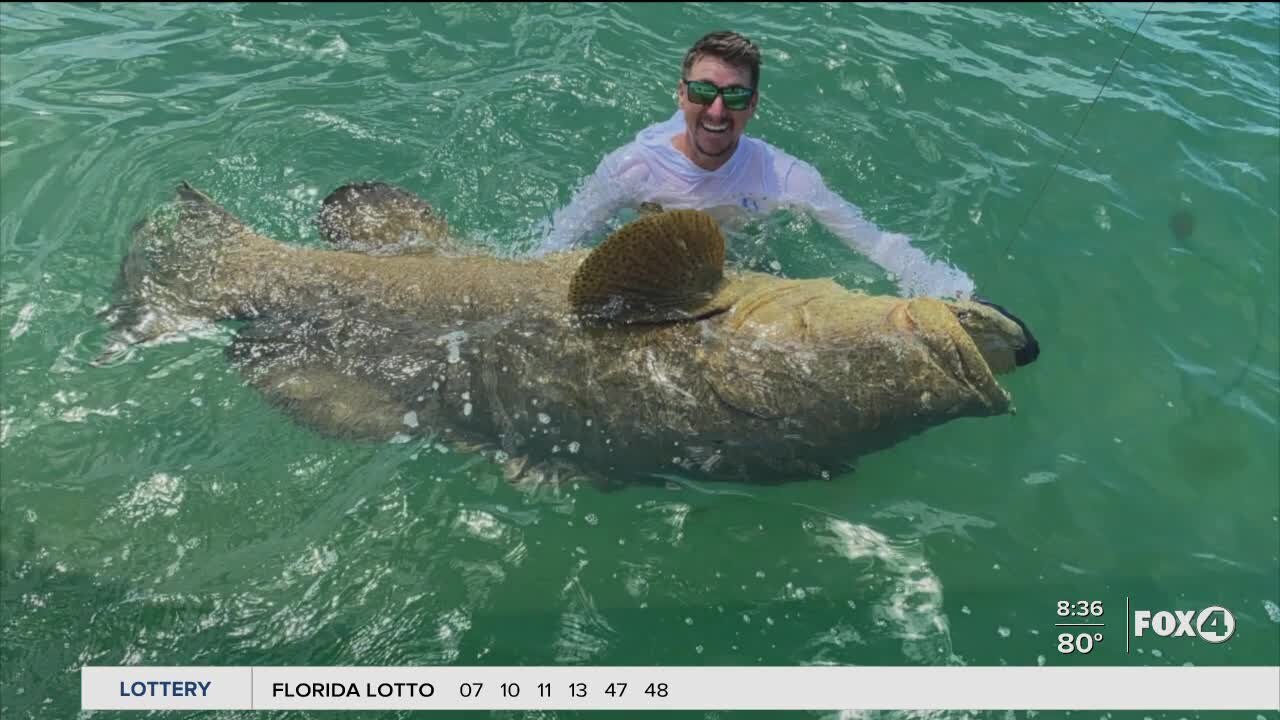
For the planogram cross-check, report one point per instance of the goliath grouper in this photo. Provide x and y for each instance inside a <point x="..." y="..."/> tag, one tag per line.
<point x="642" y="356"/>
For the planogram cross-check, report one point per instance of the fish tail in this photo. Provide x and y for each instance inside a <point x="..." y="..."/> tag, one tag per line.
<point x="165" y="284"/>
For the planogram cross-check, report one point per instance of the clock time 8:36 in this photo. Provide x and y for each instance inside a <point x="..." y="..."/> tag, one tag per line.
<point x="1080" y="608"/>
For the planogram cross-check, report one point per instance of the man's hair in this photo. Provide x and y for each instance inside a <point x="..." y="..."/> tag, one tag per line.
<point x="729" y="47"/>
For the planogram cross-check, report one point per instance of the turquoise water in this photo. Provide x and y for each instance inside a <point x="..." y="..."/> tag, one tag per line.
<point x="158" y="513"/>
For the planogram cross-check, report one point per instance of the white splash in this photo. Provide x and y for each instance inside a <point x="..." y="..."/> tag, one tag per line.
<point x="160" y="494"/>
<point x="23" y="323"/>
<point x="1040" y="478"/>
<point x="327" y="120"/>
<point x="1273" y="611"/>
<point x="913" y="607"/>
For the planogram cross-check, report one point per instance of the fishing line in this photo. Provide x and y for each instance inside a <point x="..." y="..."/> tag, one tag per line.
<point x="1258" y="312"/>
<point x="1079" y="125"/>
<point x="1258" y="315"/>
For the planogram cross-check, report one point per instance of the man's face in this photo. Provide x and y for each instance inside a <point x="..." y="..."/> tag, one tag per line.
<point x="713" y="130"/>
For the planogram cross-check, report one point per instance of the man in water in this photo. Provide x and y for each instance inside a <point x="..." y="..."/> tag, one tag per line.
<point x="701" y="158"/>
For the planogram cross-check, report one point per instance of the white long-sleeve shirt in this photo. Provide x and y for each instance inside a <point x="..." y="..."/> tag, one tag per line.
<point x="758" y="178"/>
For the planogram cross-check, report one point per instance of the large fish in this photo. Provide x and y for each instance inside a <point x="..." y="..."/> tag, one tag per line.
<point x="642" y="356"/>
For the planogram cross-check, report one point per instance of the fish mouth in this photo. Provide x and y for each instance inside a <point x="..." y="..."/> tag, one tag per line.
<point x="959" y="350"/>
<point x="951" y="348"/>
<point x="1030" y="350"/>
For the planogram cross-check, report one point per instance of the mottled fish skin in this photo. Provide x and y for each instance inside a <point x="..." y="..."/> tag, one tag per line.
<point x="596" y="358"/>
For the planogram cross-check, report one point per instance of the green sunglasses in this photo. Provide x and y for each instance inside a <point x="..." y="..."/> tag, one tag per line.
<point x="704" y="93"/>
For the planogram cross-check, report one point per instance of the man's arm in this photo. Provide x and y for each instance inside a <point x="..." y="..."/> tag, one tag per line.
<point x="603" y="193"/>
<point x="917" y="274"/>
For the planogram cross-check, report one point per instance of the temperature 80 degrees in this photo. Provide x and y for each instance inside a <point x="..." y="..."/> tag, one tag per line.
<point x="1082" y="643"/>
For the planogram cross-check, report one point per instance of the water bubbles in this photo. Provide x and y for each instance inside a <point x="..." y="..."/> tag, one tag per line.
<point x="890" y="82"/>
<point x="857" y="89"/>
<point x="592" y="519"/>
<point x="1004" y="631"/>
<point x="466" y="410"/>
<point x="688" y="621"/>
<point x="1102" y="218"/>
<point x="302" y="193"/>
<point x="573" y="447"/>
<point x="160" y="495"/>
<point x="1040" y="478"/>
<point x="925" y="146"/>
<point x="544" y="418"/>
<point x="1273" y="611"/>
<point x="23" y="323"/>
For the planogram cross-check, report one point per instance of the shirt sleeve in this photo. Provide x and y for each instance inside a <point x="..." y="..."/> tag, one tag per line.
<point x="603" y="193"/>
<point x="916" y="273"/>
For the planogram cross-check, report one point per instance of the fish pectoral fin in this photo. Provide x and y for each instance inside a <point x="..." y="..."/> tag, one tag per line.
<point x="135" y="323"/>
<point x="551" y="476"/>
<point x="663" y="267"/>
<point x="332" y="403"/>
<point x="382" y="218"/>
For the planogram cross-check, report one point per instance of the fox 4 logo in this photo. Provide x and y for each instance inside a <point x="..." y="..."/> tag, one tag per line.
<point x="1213" y="624"/>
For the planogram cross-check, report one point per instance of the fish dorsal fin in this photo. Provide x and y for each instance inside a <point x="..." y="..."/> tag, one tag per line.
<point x="200" y="216"/>
<point x="378" y="217"/>
<point x="664" y="266"/>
